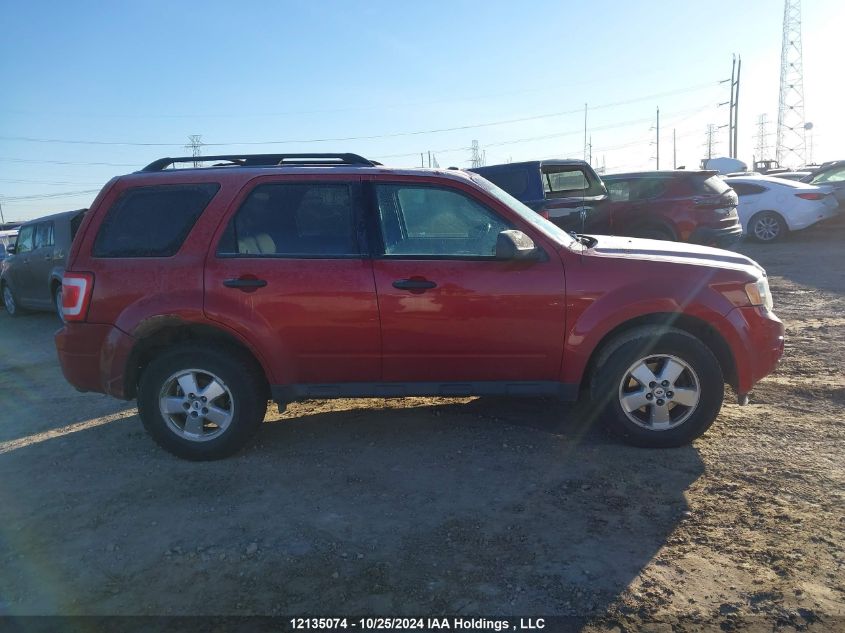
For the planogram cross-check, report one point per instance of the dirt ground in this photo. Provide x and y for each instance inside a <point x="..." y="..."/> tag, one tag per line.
<point x="438" y="506"/>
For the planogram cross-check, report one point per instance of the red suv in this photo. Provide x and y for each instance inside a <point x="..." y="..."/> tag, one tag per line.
<point x="688" y="206"/>
<point x="206" y="292"/>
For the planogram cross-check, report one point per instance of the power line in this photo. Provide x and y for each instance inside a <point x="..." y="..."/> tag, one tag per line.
<point x="372" y="136"/>
<point x="64" y="162"/>
<point x="44" y="196"/>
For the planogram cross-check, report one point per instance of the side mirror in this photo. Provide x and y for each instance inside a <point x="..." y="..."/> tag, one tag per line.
<point x="10" y="249"/>
<point x="513" y="244"/>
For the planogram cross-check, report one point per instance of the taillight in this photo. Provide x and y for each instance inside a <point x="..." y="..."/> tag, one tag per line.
<point x="811" y="196"/>
<point x="544" y="213"/>
<point x="77" y="289"/>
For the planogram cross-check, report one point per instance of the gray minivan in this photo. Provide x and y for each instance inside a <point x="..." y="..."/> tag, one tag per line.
<point x="31" y="274"/>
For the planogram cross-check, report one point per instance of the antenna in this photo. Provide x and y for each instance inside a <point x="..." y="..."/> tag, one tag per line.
<point x="791" y="143"/>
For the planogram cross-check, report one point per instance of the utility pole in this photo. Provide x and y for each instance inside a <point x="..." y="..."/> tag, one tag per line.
<point x="2" y="217"/>
<point x="195" y="145"/>
<point x="429" y="159"/>
<point x="731" y="110"/>
<point x="658" y="137"/>
<point x="736" y="106"/>
<point x="585" y="131"/>
<point x="674" y="151"/>
<point x="791" y="145"/>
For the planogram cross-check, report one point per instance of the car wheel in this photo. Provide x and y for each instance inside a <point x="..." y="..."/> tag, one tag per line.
<point x="57" y="302"/>
<point x="10" y="301"/>
<point x="201" y="404"/>
<point x="767" y="226"/>
<point x="658" y="387"/>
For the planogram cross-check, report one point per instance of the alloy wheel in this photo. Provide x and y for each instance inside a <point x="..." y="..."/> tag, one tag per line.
<point x="659" y="392"/>
<point x="766" y="228"/>
<point x="196" y="404"/>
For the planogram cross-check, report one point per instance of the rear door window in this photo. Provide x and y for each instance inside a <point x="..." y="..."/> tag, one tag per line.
<point x="561" y="182"/>
<point x="152" y="221"/>
<point x="295" y="220"/>
<point x="43" y="235"/>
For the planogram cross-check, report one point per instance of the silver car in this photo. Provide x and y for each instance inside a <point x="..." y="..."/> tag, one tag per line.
<point x="31" y="273"/>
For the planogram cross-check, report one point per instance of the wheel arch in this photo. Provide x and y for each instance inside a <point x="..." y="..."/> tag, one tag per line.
<point x="160" y="334"/>
<point x="692" y="325"/>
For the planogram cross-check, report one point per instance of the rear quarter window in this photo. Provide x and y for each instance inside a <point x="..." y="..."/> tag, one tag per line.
<point x="152" y="221"/>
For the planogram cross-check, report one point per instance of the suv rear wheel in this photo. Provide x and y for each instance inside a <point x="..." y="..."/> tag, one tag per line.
<point x="658" y="387"/>
<point x="10" y="301"/>
<point x="57" y="303"/>
<point x="201" y="404"/>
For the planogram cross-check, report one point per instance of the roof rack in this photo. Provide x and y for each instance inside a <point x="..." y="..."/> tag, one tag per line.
<point x="265" y="160"/>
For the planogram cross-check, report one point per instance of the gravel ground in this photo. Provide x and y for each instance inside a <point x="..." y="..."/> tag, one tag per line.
<point x="443" y="506"/>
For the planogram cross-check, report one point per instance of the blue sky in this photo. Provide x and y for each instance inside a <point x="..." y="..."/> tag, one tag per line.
<point x="297" y="72"/>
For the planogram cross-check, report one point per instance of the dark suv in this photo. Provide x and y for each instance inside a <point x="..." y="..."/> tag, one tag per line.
<point x="31" y="274"/>
<point x="686" y="206"/>
<point x="567" y="192"/>
<point x="206" y="292"/>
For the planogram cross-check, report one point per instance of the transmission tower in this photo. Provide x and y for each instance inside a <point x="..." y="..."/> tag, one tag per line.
<point x="711" y="141"/>
<point x="477" y="157"/>
<point x="791" y="140"/>
<point x="195" y="145"/>
<point x="762" y="147"/>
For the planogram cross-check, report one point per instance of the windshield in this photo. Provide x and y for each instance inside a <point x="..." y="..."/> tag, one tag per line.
<point x="550" y="230"/>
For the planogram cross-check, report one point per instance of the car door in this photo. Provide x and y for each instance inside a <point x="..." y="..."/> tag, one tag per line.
<point x="450" y="312"/>
<point x="40" y="266"/>
<point x="289" y="275"/>
<point x="750" y="201"/>
<point x="18" y="267"/>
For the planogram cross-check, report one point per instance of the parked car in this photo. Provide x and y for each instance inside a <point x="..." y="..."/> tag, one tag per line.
<point x="770" y="207"/>
<point x="830" y="174"/>
<point x="31" y="274"/>
<point x="567" y="192"/>
<point x="7" y="238"/>
<point x="206" y="292"/>
<point x="686" y="206"/>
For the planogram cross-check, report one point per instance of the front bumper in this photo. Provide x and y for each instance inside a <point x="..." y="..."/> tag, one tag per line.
<point x="94" y="356"/>
<point x="759" y="347"/>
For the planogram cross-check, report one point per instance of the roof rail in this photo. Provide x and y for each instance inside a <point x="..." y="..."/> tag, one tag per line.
<point x="265" y="160"/>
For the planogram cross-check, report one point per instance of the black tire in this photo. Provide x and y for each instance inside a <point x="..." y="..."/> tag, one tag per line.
<point x="660" y="344"/>
<point x="57" y="303"/>
<point x="247" y="405"/>
<point x="10" y="301"/>
<point x="767" y="227"/>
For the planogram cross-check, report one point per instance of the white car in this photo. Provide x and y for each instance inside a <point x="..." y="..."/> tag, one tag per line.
<point x="770" y="207"/>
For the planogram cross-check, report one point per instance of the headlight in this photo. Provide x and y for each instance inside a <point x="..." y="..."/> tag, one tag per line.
<point x="759" y="294"/>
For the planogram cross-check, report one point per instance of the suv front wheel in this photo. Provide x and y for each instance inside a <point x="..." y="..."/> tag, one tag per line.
<point x="201" y="404"/>
<point x="658" y="387"/>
